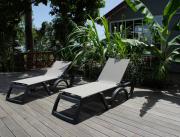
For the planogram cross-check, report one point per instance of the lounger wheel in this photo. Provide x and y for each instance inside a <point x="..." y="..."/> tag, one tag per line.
<point x="57" y="82"/>
<point x="116" y="95"/>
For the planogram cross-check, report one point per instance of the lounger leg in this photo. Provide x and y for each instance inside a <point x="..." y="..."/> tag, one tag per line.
<point x="56" y="103"/>
<point x="26" y="93"/>
<point x="73" y="119"/>
<point x="132" y="89"/>
<point x="104" y="101"/>
<point x="76" y="118"/>
<point x="71" y="80"/>
<point x="46" y="88"/>
<point x="13" y="100"/>
<point x="9" y="92"/>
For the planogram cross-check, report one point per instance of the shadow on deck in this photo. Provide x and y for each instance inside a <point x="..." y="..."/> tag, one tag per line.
<point x="148" y="113"/>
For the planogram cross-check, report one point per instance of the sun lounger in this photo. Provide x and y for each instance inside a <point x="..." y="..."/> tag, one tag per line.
<point x="53" y="75"/>
<point x="109" y="79"/>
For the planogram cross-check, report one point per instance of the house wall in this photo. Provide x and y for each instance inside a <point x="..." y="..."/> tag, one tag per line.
<point x="124" y="14"/>
<point x="174" y="21"/>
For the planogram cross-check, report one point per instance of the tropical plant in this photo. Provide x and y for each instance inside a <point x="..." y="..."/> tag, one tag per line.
<point x="69" y="13"/>
<point x="5" y="52"/>
<point x="86" y="41"/>
<point x="169" y="48"/>
<point x="85" y="47"/>
<point x="44" y="39"/>
<point x="20" y="36"/>
<point x="11" y="12"/>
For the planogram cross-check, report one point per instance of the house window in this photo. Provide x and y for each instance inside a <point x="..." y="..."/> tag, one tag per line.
<point x="134" y="29"/>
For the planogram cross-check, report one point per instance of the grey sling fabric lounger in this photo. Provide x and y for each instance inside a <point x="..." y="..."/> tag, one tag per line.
<point x="110" y="78"/>
<point x="53" y="74"/>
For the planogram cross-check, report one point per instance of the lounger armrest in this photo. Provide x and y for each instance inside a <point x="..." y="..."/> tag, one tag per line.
<point x="56" y="82"/>
<point x="124" y="84"/>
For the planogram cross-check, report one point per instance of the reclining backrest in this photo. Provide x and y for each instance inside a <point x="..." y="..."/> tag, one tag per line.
<point x="114" y="70"/>
<point x="58" y="68"/>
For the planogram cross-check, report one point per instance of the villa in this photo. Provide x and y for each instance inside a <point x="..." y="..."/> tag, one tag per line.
<point x="133" y="23"/>
<point x="134" y="26"/>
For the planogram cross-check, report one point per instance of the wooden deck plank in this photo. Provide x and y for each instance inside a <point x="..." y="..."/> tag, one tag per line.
<point x="83" y="130"/>
<point x="137" y="121"/>
<point x="78" y="129"/>
<point x="161" y="118"/>
<point x="156" y="112"/>
<point x="155" y="105"/>
<point x="141" y="125"/>
<point x="4" y="130"/>
<point x="158" y="125"/>
<point x="14" y="127"/>
<point x="120" y="124"/>
<point x="144" y="106"/>
<point x="2" y="113"/>
<point x="113" y="127"/>
<point x="24" y="124"/>
<point x="64" y="126"/>
<point x="46" y="121"/>
<point x="34" y="122"/>
<point x="162" y="99"/>
<point x="150" y="128"/>
<point x="92" y="125"/>
<point x="102" y="129"/>
<point x="151" y="117"/>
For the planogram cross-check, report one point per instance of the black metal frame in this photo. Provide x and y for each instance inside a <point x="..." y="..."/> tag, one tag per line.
<point x="79" y="101"/>
<point x="28" y="88"/>
<point x="69" y="98"/>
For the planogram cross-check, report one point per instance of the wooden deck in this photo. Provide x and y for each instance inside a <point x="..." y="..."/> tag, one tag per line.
<point x="147" y="114"/>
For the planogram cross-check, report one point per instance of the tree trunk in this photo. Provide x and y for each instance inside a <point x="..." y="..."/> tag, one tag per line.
<point x="28" y="33"/>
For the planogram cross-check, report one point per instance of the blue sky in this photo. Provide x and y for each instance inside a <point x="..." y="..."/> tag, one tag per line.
<point x="41" y="13"/>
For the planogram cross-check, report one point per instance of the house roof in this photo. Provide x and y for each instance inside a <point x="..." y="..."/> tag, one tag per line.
<point x="119" y="7"/>
<point x="155" y="6"/>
